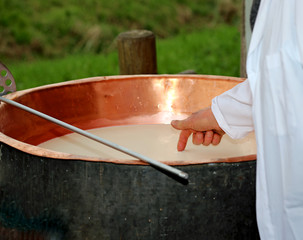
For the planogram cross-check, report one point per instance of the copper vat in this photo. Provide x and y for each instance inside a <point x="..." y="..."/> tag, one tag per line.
<point x="64" y="196"/>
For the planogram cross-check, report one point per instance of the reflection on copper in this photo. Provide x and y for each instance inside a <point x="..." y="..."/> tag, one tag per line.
<point x="107" y="101"/>
<point x="168" y="87"/>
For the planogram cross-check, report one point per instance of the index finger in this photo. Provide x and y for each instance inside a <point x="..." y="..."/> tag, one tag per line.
<point x="183" y="138"/>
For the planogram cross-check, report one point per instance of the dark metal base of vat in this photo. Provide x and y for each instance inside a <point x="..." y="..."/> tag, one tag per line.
<point x="66" y="199"/>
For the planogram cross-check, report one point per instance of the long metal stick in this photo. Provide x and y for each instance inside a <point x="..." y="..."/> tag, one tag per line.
<point x="155" y="163"/>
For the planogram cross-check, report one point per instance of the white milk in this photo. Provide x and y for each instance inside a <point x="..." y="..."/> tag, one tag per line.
<point x="157" y="141"/>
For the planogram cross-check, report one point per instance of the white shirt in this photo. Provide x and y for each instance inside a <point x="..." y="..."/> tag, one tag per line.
<point x="271" y="103"/>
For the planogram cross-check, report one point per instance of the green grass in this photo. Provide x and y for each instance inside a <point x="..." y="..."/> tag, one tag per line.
<point x="213" y="51"/>
<point x="55" y="28"/>
<point x="48" y="71"/>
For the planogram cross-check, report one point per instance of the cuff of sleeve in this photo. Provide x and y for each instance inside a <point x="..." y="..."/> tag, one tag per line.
<point x="232" y="131"/>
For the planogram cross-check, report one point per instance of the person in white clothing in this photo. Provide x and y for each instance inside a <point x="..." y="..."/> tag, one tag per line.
<point x="270" y="103"/>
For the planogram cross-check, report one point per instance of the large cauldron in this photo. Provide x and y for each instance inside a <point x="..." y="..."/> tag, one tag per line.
<point x="52" y="195"/>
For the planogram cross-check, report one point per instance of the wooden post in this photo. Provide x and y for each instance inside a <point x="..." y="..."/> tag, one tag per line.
<point x="137" y="52"/>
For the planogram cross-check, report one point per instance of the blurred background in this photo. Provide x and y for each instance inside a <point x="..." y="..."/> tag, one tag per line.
<point x="51" y="41"/>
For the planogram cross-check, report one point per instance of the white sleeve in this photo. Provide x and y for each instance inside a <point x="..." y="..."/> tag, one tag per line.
<point x="233" y="110"/>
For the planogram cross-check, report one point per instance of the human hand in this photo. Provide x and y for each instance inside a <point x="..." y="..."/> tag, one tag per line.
<point x="204" y="127"/>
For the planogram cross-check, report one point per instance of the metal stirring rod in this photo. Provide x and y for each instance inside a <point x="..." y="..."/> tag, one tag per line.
<point x="152" y="162"/>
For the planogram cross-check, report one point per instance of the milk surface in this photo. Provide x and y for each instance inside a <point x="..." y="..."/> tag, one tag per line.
<point x="157" y="141"/>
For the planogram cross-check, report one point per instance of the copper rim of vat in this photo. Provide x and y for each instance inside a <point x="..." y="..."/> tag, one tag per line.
<point x="107" y="101"/>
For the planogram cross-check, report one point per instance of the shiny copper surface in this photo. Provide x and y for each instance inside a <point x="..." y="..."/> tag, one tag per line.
<point x="107" y="101"/>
